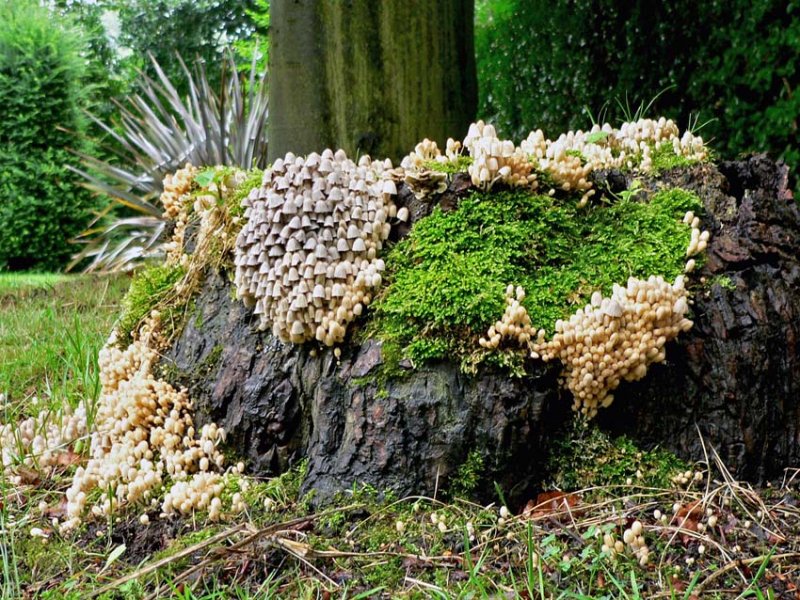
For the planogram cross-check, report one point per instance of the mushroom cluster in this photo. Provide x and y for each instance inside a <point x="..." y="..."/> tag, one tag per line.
<point x="416" y="172"/>
<point x="633" y="537"/>
<point x="611" y="545"/>
<point x="515" y="324"/>
<point x="39" y="442"/>
<point x="176" y="186"/>
<point x="563" y="161"/>
<point x="611" y="339"/>
<point x="698" y="242"/>
<point x="144" y="438"/>
<point x="427" y="151"/>
<point x="497" y="160"/>
<point x="307" y="257"/>
<point x="175" y="200"/>
<point x="567" y="161"/>
<point x="616" y="338"/>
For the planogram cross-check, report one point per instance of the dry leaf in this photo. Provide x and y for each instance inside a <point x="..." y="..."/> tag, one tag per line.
<point x="555" y="503"/>
<point x="68" y="458"/>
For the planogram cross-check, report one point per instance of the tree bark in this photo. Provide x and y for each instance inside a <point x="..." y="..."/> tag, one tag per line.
<point x="735" y="377"/>
<point x="369" y="77"/>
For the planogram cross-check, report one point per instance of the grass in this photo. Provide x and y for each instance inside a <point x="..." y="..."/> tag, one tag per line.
<point x="373" y="545"/>
<point x="447" y="279"/>
<point x="369" y="545"/>
<point x="51" y="327"/>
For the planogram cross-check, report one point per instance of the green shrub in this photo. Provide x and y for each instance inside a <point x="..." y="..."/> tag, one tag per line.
<point x="42" y="205"/>
<point x="735" y="61"/>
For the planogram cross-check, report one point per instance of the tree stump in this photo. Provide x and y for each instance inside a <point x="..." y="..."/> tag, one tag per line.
<point x="735" y="377"/>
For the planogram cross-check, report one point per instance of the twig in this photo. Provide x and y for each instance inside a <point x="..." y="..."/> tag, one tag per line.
<point x="165" y="561"/>
<point x="747" y="562"/>
<point x="250" y="539"/>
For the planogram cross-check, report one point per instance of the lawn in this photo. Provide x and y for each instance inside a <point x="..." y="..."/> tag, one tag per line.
<point x="51" y="327"/>
<point x="707" y="536"/>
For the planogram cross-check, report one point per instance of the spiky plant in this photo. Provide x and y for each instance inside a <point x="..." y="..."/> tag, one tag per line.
<point x="158" y="132"/>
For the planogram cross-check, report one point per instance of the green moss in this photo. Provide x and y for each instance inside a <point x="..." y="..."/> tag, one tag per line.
<point x="465" y="483"/>
<point x="252" y="181"/>
<point x="387" y="371"/>
<point x="664" y="159"/>
<point x="198" y="315"/>
<point x="447" y="279"/>
<point x="577" y="153"/>
<point x="460" y="165"/>
<point x="723" y="281"/>
<point x="149" y="288"/>
<point x="587" y="457"/>
<point x="40" y="561"/>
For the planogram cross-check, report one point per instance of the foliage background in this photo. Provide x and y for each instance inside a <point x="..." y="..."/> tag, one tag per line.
<point x="545" y="64"/>
<point x="42" y="76"/>
<point x="191" y="29"/>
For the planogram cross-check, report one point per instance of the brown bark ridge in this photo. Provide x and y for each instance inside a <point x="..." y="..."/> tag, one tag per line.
<point x="735" y="376"/>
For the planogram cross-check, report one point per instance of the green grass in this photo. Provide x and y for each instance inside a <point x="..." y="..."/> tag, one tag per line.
<point x="51" y="327"/>
<point x="447" y="279"/>
<point x="354" y="549"/>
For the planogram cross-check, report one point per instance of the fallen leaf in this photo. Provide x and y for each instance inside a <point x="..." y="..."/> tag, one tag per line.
<point x="68" y="458"/>
<point x="600" y="581"/>
<point x="555" y="503"/>
<point x="693" y="511"/>
<point x="29" y="476"/>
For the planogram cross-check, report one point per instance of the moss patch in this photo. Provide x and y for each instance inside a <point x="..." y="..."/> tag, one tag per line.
<point x="447" y="279"/>
<point x="252" y="181"/>
<point x="664" y="159"/>
<point x="149" y="288"/>
<point x="460" y="165"/>
<point x="468" y="477"/>
<point x="586" y="457"/>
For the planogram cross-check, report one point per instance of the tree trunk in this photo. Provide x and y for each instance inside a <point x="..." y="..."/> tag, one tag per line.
<point x="369" y="77"/>
<point x="735" y="376"/>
